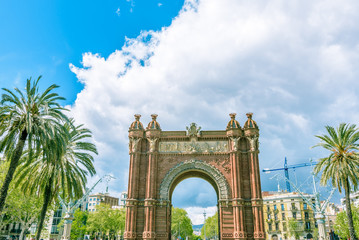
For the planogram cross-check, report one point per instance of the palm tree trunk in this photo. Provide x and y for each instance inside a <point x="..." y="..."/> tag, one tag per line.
<point x="349" y="210"/>
<point x="13" y="165"/>
<point x="47" y="199"/>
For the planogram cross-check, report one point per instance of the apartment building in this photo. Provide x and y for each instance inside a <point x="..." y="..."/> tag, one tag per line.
<point x="283" y="210"/>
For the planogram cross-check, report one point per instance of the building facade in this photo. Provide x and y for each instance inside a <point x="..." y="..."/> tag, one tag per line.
<point x="123" y="199"/>
<point x="354" y="199"/>
<point x="283" y="211"/>
<point x="104" y="198"/>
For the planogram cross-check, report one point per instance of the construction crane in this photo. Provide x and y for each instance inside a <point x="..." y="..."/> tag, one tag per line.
<point x="71" y="206"/>
<point x="286" y="168"/>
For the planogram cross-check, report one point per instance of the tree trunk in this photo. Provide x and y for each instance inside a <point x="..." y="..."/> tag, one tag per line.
<point x="14" y="162"/>
<point x="47" y="199"/>
<point x="349" y="210"/>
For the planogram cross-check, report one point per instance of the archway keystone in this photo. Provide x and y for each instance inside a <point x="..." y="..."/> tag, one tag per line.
<point x="228" y="159"/>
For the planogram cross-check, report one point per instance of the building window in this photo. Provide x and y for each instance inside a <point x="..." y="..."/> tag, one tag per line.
<point x="277" y="226"/>
<point x="268" y="215"/>
<point x="275" y="207"/>
<point x="283" y="216"/>
<point x="268" y="208"/>
<point x="293" y="206"/>
<point x="306" y="215"/>
<point x="56" y="221"/>
<point x="275" y="217"/>
<point x="269" y="226"/>
<point x="282" y="207"/>
<point x="307" y="225"/>
<point x="305" y="206"/>
<point x="54" y="230"/>
<point x="294" y="215"/>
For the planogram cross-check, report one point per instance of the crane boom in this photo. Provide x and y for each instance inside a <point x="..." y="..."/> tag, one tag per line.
<point x="70" y="207"/>
<point x="286" y="168"/>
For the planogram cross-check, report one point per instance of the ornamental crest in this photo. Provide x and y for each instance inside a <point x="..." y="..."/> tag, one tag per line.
<point x="193" y="130"/>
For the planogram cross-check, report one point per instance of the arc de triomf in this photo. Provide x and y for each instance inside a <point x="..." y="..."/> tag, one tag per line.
<point x="227" y="159"/>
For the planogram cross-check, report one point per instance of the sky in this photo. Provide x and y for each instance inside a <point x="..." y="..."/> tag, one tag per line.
<point x="293" y="64"/>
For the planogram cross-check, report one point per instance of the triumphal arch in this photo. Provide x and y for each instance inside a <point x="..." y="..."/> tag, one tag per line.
<point x="227" y="159"/>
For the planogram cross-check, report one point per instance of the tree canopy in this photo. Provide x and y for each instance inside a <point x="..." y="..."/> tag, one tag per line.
<point x="211" y="226"/>
<point x="27" y="116"/>
<point x="295" y="228"/>
<point x="62" y="167"/>
<point x="181" y="224"/>
<point x="106" y="221"/>
<point x="341" y="227"/>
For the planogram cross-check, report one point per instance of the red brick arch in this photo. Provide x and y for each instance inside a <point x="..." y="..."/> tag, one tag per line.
<point x="227" y="159"/>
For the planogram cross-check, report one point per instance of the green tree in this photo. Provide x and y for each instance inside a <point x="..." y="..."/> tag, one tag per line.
<point x="19" y="208"/>
<point x="211" y="226"/>
<point x="106" y="221"/>
<point x="195" y="237"/>
<point x="342" y="164"/>
<point x="30" y="116"/>
<point x="63" y="167"/>
<point x="295" y="228"/>
<point x="341" y="227"/>
<point x="181" y="224"/>
<point x="23" y="209"/>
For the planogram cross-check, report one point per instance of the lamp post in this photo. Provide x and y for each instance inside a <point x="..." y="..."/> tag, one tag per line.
<point x="204" y="224"/>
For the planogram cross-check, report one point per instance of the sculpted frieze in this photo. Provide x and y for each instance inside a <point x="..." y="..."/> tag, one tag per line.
<point x="194" y="147"/>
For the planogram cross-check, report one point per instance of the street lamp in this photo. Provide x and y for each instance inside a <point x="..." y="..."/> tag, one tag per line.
<point x="204" y="225"/>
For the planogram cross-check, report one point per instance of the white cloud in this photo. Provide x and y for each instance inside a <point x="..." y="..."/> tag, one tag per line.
<point x="291" y="63"/>
<point x="196" y="213"/>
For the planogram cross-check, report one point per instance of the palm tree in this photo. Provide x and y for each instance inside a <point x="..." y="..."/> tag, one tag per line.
<point x="30" y="116"/>
<point x="62" y="167"/>
<point x="342" y="164"/>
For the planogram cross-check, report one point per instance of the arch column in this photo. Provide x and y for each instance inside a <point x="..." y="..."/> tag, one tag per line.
<point x="150" y="200"/>
<point x="239" y="231"/>
<point x="256" y="200"/>
<point x="133" y="184"/>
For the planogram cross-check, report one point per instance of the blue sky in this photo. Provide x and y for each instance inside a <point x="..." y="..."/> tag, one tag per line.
<point x="293" y="64"/>
<point x="43" y="37"/>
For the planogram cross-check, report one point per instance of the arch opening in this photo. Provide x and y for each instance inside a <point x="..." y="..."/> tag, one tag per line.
<point x="192" y="193"/>
<point x="194" y="168"/>
<point x="192" y="174"/>
<point x="198" y="169"/>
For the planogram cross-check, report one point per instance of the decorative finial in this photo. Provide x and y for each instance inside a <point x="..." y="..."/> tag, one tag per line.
<point x="154" y="116"/>
<point x="137" y="117"/>
<point x="249" y="115"/>
<point x="233" y="115"/>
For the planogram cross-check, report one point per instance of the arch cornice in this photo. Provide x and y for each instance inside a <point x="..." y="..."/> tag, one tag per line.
<point x="183" y="167"/>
